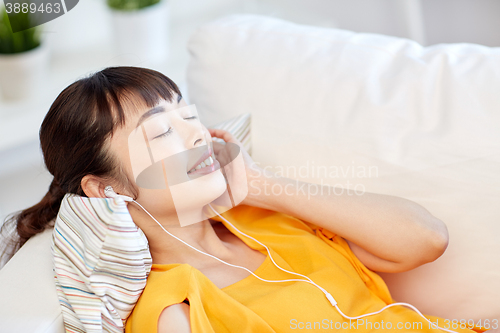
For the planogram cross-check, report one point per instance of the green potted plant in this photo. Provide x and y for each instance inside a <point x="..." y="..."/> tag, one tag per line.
<point x="23" y="58"/>
<point x="141" y="28"/>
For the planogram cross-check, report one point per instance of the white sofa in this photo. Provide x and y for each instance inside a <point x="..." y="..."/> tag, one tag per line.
<point x="422" y="122"/>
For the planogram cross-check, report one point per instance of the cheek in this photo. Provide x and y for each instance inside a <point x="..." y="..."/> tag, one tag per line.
<point x="208" y="137"/>
<point x="156" y="201"/>
<point x="121" y="154"/>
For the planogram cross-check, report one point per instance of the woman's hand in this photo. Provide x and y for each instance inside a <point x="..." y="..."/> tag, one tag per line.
<point x="254" y="174"/>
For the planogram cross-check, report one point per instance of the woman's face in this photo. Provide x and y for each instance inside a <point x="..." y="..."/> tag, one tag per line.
<point x="161" y="150"/>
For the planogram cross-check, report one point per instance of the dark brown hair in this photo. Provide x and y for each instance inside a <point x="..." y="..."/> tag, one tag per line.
<point x="74" y="134"/>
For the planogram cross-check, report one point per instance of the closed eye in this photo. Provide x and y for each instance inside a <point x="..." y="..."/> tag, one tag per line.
<point x="164" y="134"/>
<point x="170" y="129"/>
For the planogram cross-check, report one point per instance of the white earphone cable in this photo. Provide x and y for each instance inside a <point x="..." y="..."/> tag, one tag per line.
<point x="308" y="280"/>
<point x="327" y="294"/>
<point x="214" y="257"/>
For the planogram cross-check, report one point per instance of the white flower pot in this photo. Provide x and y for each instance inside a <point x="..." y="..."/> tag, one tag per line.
<point x="22" y="74"/>
<point x="144" y="33"/>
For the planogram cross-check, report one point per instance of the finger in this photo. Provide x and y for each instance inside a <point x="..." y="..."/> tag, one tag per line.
<point x="222" y="134"/>
<point x="217" y="146"/>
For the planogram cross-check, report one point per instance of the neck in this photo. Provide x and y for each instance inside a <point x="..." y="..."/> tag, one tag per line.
<point x="165" y="249"/>
<point x="202" y="236"/>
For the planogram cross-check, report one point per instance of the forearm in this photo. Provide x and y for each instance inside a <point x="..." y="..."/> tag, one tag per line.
<point x="389" y="227"/>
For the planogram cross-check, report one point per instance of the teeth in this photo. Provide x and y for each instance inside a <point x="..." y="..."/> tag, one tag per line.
<point x="208" y="161"/>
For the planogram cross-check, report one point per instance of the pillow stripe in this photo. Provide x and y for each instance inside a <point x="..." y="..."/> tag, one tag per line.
<point x="240" y="128"/>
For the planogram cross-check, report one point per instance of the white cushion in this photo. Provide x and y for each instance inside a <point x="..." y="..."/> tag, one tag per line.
<point x="418" y="122"/>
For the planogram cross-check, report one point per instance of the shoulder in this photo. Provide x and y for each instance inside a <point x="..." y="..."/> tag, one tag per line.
<point x="174" y="318"/>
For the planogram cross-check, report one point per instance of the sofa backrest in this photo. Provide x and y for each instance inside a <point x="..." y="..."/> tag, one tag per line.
<point x="376" y="113"/>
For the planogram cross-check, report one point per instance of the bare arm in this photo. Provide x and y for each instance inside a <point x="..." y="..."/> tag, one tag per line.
<point x="387" y="233"/>
<point x="174" y="319"/>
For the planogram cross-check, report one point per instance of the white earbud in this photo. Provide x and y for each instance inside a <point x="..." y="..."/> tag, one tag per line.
<point x="110" y="193"/>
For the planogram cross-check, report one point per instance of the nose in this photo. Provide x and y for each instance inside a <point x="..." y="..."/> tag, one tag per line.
<point x="195" y="135"/>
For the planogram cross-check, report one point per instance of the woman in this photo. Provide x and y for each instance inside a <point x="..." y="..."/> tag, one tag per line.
<point x="337" y="240"/>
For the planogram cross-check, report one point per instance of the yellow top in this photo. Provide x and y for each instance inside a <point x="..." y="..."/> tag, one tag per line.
<point x="251" y="305"/>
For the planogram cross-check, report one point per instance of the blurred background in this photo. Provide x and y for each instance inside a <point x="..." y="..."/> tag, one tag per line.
<point x="99" y="33"/>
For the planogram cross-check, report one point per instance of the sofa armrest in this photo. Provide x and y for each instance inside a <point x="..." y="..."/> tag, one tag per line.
<point x="28" y="296"/>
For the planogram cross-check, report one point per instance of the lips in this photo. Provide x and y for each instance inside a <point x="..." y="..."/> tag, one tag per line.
<point x="206" y="160"/>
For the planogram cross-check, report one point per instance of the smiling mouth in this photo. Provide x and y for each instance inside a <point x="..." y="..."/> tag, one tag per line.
<point x="208" y="165"/>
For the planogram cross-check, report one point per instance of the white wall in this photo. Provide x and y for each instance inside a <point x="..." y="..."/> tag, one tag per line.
<point x="443" y="21"/>
<point x="459" y="21"/>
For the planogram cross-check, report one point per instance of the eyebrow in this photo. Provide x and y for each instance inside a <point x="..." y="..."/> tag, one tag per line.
<point x="153" y="111"/>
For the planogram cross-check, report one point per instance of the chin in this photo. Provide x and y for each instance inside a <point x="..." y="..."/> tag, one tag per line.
<point x="214" y="185"/>
<point x="197" y="193"/>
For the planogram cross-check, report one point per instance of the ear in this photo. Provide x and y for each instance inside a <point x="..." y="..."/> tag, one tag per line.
<point x="93" y="186"/>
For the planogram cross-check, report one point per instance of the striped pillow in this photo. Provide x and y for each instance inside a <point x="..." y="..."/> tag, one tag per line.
<point x="239" y="127"/>
<point x="101" y="263"/>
